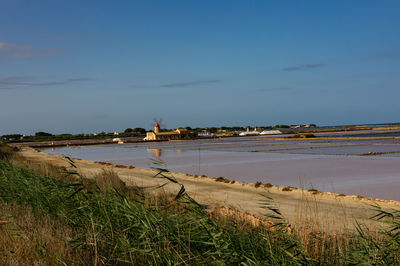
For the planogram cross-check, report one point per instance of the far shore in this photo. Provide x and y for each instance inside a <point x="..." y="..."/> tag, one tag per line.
<point x="323" y="211"/>
<point x="320" y="133"/>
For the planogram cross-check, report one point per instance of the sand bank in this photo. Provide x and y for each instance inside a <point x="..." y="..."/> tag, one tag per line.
<point x="320" y="211"/>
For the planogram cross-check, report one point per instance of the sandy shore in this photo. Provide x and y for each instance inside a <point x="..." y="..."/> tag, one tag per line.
<point x="321" y="211"/>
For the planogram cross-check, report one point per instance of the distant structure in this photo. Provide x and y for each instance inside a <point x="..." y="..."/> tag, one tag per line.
<point x="255" y="132"/>
<point x="180" y="133"/>
<point x="271" y="132"/>
<point x="305" y="126"/>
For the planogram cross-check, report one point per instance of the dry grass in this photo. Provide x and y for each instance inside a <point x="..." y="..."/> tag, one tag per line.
<point x="257" y="184"/>
<point x="225" y="215"/>
<point x="268" y="185"/>
<point x="27" y="238"/>
<point x="314" y="191"/>
<point x="222" y="179"/>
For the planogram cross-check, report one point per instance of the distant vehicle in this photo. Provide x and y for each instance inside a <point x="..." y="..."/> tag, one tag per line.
<point x="116" y="140"/>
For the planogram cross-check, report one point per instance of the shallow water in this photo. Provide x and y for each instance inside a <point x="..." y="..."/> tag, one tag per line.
<point x="320" y="164"/>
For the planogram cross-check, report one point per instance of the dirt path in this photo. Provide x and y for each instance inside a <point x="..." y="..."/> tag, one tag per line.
<point x="322" y="211"/>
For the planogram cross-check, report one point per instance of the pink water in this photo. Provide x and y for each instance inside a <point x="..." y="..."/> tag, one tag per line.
<point x="305" y="164"/>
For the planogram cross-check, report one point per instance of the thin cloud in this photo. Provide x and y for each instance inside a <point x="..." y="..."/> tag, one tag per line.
<point x="14" y="80"/>
<point x="13" y="51"/>
<point x="22" y="82"/>
<point x="189" y="83"/>
<point x="9" y="46"/>
<point x="302" y="67"/>
<point x="314" y="65"/>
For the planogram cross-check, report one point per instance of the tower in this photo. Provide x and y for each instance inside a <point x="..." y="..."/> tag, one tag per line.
<point x="157" y="128"/>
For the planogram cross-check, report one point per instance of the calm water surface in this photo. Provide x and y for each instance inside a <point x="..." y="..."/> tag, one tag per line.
<point x="322" y="164"/>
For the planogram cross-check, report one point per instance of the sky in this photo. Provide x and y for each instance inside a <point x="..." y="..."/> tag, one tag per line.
<point x="91" y="66"/>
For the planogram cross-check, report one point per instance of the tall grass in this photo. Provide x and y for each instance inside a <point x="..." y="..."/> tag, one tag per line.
<point x="110" y="227"/>
<point x="54" y="216"/>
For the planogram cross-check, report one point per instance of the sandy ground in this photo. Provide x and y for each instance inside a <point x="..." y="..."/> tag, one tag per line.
<point x="323" y="211"/>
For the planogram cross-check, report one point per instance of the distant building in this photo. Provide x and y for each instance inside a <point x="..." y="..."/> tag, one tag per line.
<point x="271" y="132"/>
<point x="180" y="133"/>
<point x="255" y="132"/>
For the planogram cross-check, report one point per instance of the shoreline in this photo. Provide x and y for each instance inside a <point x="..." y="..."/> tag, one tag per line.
<point x="330" y="133"/>
<point x="299" y="206"/>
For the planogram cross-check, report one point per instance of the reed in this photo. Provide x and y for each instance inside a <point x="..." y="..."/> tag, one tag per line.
<point x="53" y="216"/>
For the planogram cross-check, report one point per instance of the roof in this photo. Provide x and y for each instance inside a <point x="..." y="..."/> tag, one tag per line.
<point x="167" y="133"/>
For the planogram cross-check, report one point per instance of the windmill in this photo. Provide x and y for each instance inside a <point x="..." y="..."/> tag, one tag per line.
<point x="157" y="124"/>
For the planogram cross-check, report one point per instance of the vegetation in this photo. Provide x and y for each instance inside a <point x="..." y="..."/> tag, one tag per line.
<point x="128" y="132"/>
<point x="302" y="136"/>
<point x="137" y="131"/>
<point x="54" y="216"/>
<point x="43" y="136"/>
<point x="281" y="126"/>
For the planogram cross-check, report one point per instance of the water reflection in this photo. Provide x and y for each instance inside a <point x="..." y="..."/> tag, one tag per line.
<point x="155" y="152"/>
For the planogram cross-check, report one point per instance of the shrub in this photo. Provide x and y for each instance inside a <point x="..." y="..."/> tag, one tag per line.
<point x="267" y="185"/>
<point x="314" y="191"/>
<point x="257" y="184"/>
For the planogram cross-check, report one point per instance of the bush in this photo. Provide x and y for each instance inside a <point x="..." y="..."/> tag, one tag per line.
<point x="43" y="134"/>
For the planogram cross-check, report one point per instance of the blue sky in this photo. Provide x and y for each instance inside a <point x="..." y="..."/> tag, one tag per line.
<point x="89" y="66"/>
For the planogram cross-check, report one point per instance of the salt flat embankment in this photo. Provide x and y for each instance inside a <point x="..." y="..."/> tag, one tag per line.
<point x="321" y="211"/>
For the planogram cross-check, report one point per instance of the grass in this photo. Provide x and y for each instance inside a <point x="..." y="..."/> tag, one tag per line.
<point x="101" y="223"/>
<point x="53" y="216"/>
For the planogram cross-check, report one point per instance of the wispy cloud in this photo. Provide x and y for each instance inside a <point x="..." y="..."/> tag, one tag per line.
<point x="9" y="50"/>
<point x="9" y="46"/>
<point x="12" y="80"/>
<point x="302" y="67"/>
<point x="21" y="82"/>
<point x="189" y="83"/>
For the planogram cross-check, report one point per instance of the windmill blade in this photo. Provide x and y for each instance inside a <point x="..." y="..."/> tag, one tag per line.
<point x="159" y="121"/>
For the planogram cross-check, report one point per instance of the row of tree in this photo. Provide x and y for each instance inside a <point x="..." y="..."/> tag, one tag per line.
<point x="129" y="132"/>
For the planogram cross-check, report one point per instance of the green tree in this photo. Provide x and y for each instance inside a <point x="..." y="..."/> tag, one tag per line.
<point x="139" y="130"/>
<point x="43" y="134"/>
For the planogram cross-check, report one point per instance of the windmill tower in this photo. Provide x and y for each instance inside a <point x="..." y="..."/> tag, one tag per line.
<point x="157" y="124"/>
<point x="157" y="128"/>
